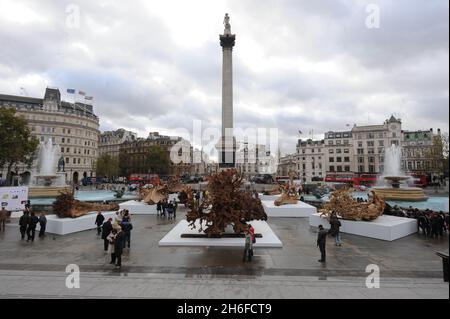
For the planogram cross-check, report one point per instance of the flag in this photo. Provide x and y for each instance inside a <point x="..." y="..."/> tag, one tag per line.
<point x="71" y="91"/>
<point x="89" y="98"/>
<point x="348" y="125"/>
<point x="300" y="132"/>
<point x="81" y="93"/>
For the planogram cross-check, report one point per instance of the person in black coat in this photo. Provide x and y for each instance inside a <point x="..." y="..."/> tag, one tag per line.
<point x="106" y="230"/>
<point x="126" y="229"/>
<point x="31" y="227"/>
<point x="23" y="223"/>
<point x="99" y="222"/>
<point x="424" y="224"/>
<point x="118" y="246"/>
<point x="158" y="208"/>
<point x="321" y="242"/>
<point x="42" y="224"/>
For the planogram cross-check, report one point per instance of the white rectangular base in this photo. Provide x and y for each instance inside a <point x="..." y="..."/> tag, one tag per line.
<point x="268" y="197"/>
<point x="173" y="238"/>
<point x="300" y="209"/>
<point x="138" y="208"/>
<point x="64" y="226"/>
<point x="384" y="227"/>
<point x="141" y="208"/>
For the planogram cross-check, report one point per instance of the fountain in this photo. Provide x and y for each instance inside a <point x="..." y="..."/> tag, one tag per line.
<point x="394" y="177"/>
<point x="46" y="181"/>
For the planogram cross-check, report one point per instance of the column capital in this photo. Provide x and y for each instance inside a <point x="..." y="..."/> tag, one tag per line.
<point x="227" y="40"/>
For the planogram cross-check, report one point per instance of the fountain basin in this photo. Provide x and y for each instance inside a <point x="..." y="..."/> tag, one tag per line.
<point x="411" y="194"/>
<point x="47" y="191"/>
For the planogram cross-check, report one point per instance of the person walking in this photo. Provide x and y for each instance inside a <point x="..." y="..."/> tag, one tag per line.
<point x="434" y="222"/>
<point x="118" y="246"/>
<point x="170" y="210"/>
<point x="42" y="225"/>
<point x="248" y="248"/>
<point x="99" y="222"/>
<point x="334" y="230"/>
<point x="31" y="227"/>
<point x="321" y="242"/>
<point x="3" y="218"/>
<point x="106" y="231"/>
<point x="23" y="223"/>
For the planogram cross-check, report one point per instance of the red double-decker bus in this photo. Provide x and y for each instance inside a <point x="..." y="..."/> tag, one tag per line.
<point x="145" y="179"/>
<point x="352" y="179"/>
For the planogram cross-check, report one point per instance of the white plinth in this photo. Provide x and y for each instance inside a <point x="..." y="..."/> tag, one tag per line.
<point x="268" y="197"/>
<point x="300" y="209"/>
<point x="64" y="226"/>
<point x="384" y="227"/>
<point x="173" y="238"/>
<point x="138" y="208"/>
<point x="141" y="208"/>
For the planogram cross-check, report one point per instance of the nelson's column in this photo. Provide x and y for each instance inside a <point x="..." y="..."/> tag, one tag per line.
<point x="226" y="146"/>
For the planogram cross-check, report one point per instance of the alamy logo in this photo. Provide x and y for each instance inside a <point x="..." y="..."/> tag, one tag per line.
<point x="373" y="19"/>
<point x="373" y="279"/>
<point x="73" y="279"/>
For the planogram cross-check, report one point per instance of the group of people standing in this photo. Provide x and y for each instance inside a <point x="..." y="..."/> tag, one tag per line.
<point x="28" y="224"/>
<point x="431" y="223"/>
<point x="167" y="208"/>
<point x="116" y="234"/>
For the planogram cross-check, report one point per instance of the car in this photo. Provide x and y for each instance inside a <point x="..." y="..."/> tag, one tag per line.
<point x="262" y="179"/>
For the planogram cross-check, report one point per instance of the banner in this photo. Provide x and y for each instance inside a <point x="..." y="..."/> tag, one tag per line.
<point x="13" y="198"/>
<point x="81" y="93"/>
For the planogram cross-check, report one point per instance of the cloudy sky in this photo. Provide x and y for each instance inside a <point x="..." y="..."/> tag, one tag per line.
<point x="298" y="65"/>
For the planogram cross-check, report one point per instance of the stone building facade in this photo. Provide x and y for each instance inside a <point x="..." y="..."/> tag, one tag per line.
<point x="72" y="126"/>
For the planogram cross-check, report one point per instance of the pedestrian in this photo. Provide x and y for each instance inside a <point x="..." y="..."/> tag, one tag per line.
<point x="99" y="222"/>
<point x="197" y="197"/>
<point x="118" y="246"/>
<point x="170" y="210"/>
<point x="31" y="227"/>
<point x="434" y="222"/>
<point x="321" y="242"/>
<point x="441" y="223"/>
<point x="3" y="218"/>
<point x="42" y="224"/>
<point x="175" y="207"/>
<point x="106" y="231"/>
<point x="423" y="224"/>
<point x="158" y="208"/>
<point x="126" y="228"/>
<point x="23" y="223"/>
<point x="334" y="229"/>
<point x="248" y="248"/>
<point x="28" y="207"/>
<point x="126" y="216"/>
<point x="111" y="245"/>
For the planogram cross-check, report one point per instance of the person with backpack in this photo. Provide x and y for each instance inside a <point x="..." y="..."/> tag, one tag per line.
<point x="334" y="229"/>
<point x="126" y="228"/>
<point x="23" y="223"/>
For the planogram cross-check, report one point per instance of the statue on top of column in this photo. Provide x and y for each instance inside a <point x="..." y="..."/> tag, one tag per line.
<point x="226" y="22"/>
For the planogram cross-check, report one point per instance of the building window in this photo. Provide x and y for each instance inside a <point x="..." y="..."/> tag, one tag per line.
<point x="360" y="151"/>
<point x="331" y="160"/>
<point x="331" y="168"/>
<point x="346" y="150"/>
<point x="330" y="142"/>
<point x="381" y="143"/>
<point x="62" y="149"/>
<point x="338" y="159"/>
<point x="338" y="142"/>
<point x="346" y="159"/>
<point x="347" y="168"/>
<point x="371" y="159"/>
<point x="338" y="151"/>
<point x="360" y="159"/>
<point x="339" y="168"/>
<point x="360" y="168"/>
<point x="371" y="169"/>
<point x="370" y="143"/>
<point x="360" y="144"/>
<point x="74" y="160"/>
<point x="331" y="151"/>
<point x="67" y="160"/>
